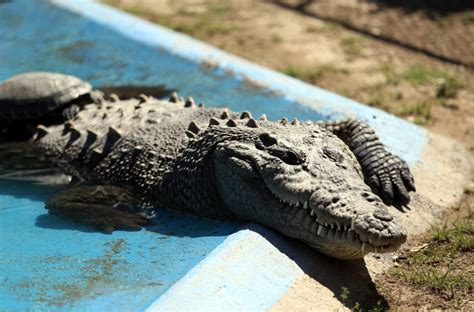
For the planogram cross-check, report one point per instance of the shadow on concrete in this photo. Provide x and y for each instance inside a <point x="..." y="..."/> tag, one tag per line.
<point x="331" y="273"/>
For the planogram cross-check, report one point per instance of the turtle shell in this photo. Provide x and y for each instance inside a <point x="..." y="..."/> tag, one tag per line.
<point x="34" y="94"/>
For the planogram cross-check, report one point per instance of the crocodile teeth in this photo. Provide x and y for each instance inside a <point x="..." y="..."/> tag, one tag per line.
<point x="353" y="224"/>
<point x="338" y="227"/>
<point x="284" y="121"/>
<point x="363" y="246"/>
<point x="297" y="204"/>
<point x="305" y="205"/>
<point x="312" y="213"/>
<point x="41" y="131"/>
<point x="263" y="117"/>
<point x="319" y="230"/>
<point x="201" y="105"/>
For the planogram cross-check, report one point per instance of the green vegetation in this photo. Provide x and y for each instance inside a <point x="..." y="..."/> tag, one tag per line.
<point x="352" y="47"/>
<point x="329" y="26"/>
<point x="444" y="266"/>
<point x="418" y="74"/>
<point x="214" y="21"/>
<point x="310" y="75"/>
<point x="376" y="100"/>
<point x="392" y="77"/>
<point x="449" y="88"/>
<point x="326" y="27"/>
<point x="276" y="38"/>
<point x="312" y="29"/>
<point x="420" y="110"/>
<point x="344" y="296"/>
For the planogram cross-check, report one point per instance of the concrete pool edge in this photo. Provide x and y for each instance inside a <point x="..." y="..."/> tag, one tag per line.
<point x="228" y="276"/>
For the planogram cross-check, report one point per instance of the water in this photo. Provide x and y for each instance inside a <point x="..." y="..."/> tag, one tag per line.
<point x="47" y="263"/>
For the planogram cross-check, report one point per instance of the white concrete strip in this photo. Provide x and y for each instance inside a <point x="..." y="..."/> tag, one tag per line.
<point x="246" y="272"/>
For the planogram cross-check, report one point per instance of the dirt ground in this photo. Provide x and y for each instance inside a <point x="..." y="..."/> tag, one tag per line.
<point x="410" y="58"/>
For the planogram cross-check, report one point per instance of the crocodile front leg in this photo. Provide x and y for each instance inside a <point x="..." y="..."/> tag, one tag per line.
<point x="387" y="174"/>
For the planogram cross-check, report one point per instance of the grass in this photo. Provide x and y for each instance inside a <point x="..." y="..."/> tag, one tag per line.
<point x="325" y="27"/>
<point x="344" y="297"/>
<point x="214" y="21"/>
<point x="419" y="110"/>
<point x="276" y="38"/>
<point x="418" y="74"/>
<point x="352" y="47"/>
<point x="444" y="267"/>
<point x="391" y="76"/>
<point x="310" y="75"/>
<point x="449" y="88"/>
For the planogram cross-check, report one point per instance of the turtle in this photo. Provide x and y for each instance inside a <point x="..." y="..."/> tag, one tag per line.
<point x="47" y="96"/>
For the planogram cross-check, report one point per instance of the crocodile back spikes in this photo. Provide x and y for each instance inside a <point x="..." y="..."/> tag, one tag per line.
<point x="252" y="123"/>
<point x="173" y="97"/>
<point x="245" y="115"/>
<point x="231" y="123"/>
<point x="194" y="128"/>
<point x="189" y="102"/>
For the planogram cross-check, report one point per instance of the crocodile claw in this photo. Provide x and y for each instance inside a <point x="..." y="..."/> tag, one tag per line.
<point x="392" y="180"/>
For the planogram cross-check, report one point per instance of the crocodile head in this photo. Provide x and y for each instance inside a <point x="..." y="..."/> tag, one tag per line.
<point x="305" y="183"/>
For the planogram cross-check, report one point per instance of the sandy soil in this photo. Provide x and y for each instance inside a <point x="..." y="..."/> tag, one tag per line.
<point x="395" y="74"/>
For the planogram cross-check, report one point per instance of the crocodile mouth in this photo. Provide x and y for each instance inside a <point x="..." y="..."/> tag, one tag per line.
<point x="344" y="233"/>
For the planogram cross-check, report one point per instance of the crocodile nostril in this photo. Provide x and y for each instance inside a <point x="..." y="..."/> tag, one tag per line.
<point x="382" y="215"/>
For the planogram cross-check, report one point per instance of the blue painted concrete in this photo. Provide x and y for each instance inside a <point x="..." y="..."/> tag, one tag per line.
<point x="47" y="263"/>
<point x="50" y="263"/>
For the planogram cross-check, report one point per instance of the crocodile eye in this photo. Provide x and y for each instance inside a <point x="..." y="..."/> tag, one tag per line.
<point x="292" y="158"/>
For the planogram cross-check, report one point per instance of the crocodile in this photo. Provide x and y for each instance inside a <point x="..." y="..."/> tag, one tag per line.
<point x="306" y="180"/>
<point x="329" y="184"/>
